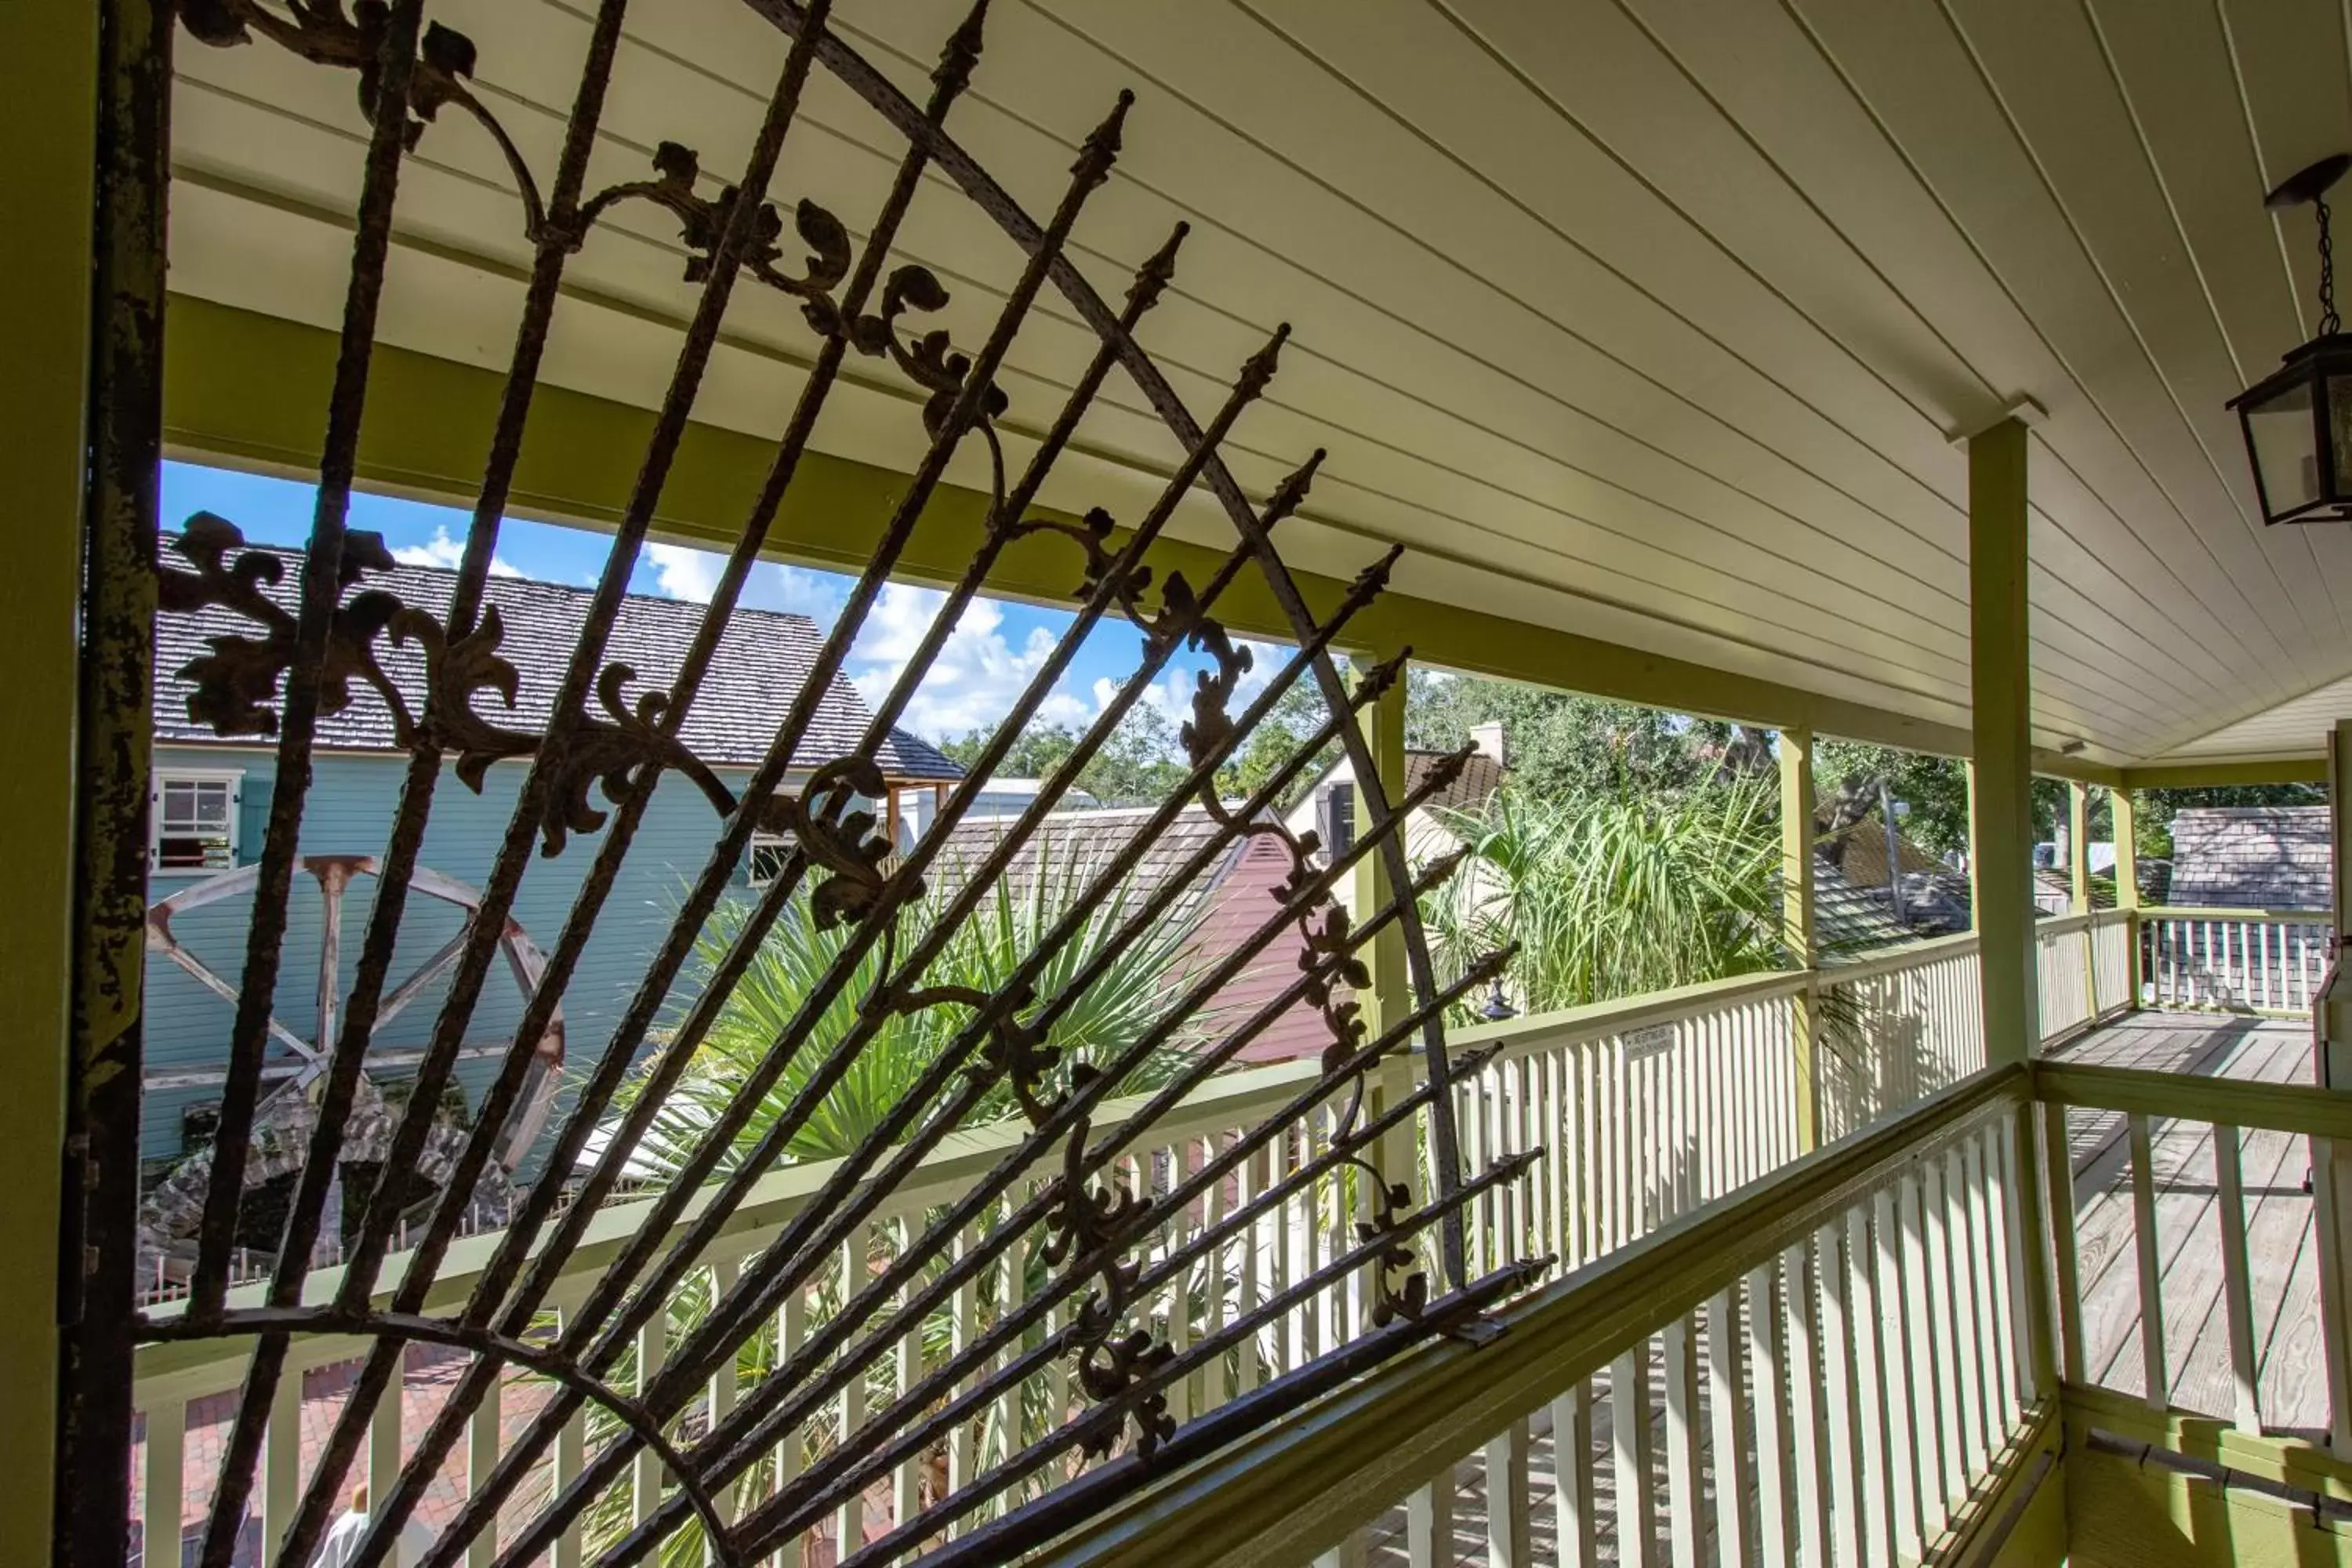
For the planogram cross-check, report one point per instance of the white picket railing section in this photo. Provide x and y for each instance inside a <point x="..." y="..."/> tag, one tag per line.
<point x="1835" y="1362"/>
<point x="2063" y="963"/>
<point x="1645" y="1110"/>
<point x="1896" y="1027"/>
<point x="2238" y="961"/>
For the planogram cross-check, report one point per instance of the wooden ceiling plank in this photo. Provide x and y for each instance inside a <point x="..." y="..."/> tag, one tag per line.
<point x="1904" y="58"/>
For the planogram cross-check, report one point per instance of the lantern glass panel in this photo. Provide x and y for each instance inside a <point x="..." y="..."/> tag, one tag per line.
<point x="2286" y="447"/>
<point x="2339" y="431"/>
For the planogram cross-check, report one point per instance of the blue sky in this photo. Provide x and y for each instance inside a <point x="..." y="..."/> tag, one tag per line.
<point x="997" y="647"/>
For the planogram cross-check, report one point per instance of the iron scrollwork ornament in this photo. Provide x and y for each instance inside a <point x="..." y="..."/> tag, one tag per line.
<point x="236" y="683"/>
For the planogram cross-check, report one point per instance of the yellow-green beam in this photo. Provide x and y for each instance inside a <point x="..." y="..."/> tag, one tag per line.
<point x="246" y="390"/>
<point x="2001" y="677"/>
<point x="1389" y="998"/>
<point x="2124" y="811"/>
<point x="2222" y="775"/>
<point x="2078" y="848"/>
<point x="1799" y="927"/>
<point x="47" y="123"/>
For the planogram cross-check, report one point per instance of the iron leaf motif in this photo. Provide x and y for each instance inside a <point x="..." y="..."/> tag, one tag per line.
<point x="236" y="683"/>
<point x="1092" y="535"/>
<point x="844" y="842"/>
<point x="456" y="671"/>
<point x="618" y="752"/>
<point x="1389" y="1300"/>
<point x="1110" y="1371"/>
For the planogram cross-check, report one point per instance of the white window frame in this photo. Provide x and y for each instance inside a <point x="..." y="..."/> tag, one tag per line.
<point x="777" y="844"/>
<point x="232" y="778"/>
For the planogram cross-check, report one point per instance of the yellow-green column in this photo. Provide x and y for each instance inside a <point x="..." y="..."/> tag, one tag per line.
<point x="1798" y="928"/>
<point x="2125" y="819"/>
<point x="2001" y="825"/>
<point x="1390" y="996"/>
<point x="2078" y="884"/>
<point x="48" y="126"/>
<point x="2338" y="1022"/>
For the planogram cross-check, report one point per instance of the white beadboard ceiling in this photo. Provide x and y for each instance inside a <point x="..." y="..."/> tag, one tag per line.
<point x="1646" y="319"/>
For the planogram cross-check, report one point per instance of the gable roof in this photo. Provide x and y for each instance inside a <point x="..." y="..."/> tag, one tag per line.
<point x="763" y="659"/>
<point x="1480" y="777"/>
<point x="2252" y="857"/>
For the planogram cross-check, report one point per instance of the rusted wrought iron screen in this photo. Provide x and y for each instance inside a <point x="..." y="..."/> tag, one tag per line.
<point x="1107" y="1229"/>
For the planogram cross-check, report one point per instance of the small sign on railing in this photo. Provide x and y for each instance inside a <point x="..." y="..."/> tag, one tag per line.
<point x="1648" y="1041"/>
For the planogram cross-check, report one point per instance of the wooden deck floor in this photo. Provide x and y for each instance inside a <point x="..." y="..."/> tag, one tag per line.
<point x="2279" y="1234"/>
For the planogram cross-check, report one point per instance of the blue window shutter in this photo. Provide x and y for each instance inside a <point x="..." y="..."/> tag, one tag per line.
<point x="252" y="819"/>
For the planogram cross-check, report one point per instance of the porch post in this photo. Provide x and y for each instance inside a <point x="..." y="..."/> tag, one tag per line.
<point x="2124" y="817"/>
<point x="2001" y="848"/>
<point x="2078" y="884"/>
<point x="2331" y="1185"/>
<point x="1798" y="928"/>
<point x="2001" y="823"/>
<point x="48" y="123"/>
<point x="1390" y="996"/>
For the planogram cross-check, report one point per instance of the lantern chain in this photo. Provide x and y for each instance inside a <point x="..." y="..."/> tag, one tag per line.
<point x="2329" y="323"/>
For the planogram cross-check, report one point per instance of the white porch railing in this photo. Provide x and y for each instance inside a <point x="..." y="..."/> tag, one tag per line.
<point x="1835" y="1362"/>
<point x="1645" y="1110"/>
<point x="2237" y="961"/>
<point x="1896" y="1028"/>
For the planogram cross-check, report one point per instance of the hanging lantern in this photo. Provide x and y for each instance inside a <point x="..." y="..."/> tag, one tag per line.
<point x="2298" y="421"/>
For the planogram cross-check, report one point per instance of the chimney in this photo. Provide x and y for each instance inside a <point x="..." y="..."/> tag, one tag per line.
<point x="1489" y="738"/>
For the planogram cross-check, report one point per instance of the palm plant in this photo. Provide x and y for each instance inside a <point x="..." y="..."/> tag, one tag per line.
<point x="1132" y="996"/>
<point x="1616" y="894"/>
<point x="980" y="955"/>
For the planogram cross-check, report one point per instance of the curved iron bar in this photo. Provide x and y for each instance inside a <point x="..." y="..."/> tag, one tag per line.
<point x="681" y="1375"/>
<point x="546" y="779"/>
<point x="963" y="398"/>
<point x="883" y="96"/>
<point x="426" y="749"/>
<point x="957" y="58"/>
<point x="496" y="1349"/>
<point x="392" y="63"/>
<point x="774" y="1420"/>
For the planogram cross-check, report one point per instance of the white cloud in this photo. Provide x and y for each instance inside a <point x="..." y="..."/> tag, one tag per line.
<point x="977" y="676"/>
<point x="683" y="573"/>
<point x="443" y="551"/>
<point x="819" y="595"/>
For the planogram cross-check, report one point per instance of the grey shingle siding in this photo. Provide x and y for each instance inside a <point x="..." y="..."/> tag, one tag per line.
<point x="2252" y="857"/>
<point x="763" y="659"/>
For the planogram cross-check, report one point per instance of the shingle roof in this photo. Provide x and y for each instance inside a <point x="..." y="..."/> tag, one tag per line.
<point x="1078" y="844"/>
<point x="1480" y="777"/>
<point x="763" y="659"/>
<point x="2252" y="857"/>
<point x="1233" y="897"/>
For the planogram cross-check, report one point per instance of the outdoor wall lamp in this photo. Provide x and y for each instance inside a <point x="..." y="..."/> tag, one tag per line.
<point x="2298" y="421"/>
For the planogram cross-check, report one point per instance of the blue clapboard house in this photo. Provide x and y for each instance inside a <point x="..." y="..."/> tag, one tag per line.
<point x="211" y="801"/>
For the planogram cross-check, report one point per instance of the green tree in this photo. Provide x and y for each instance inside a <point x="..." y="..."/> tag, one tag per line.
<point x="1561" y="744"/>
<point x="1041" y="747"/>
<point x="1935" y="789"/>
